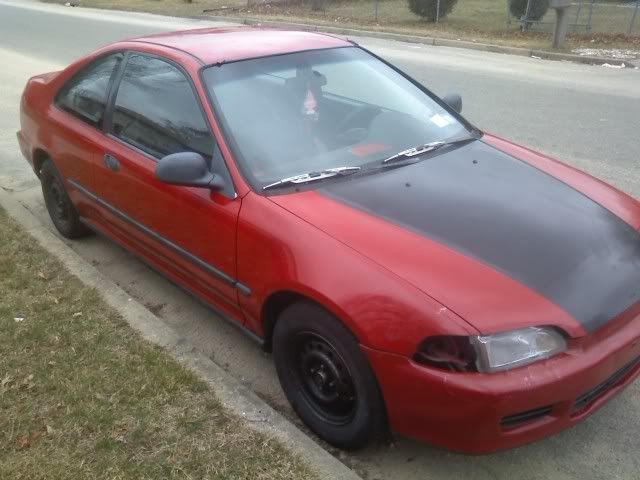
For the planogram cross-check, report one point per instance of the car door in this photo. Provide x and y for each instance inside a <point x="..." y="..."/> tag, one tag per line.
<point x="188" y="233"/>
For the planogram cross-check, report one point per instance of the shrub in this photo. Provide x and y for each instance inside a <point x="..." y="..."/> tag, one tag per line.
<point x="427" y="8"/>
<point x="536" y="11"/>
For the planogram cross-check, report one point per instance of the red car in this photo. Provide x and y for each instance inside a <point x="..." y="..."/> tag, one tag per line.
<point x="410" y="273"/>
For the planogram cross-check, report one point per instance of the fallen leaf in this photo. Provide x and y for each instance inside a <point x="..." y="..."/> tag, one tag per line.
<point x="50" y="430"/>
<point x="28" y="382"/>
<point x="119" y="434"/>
<point x="23" y="442"/>
<point x="42" y="276"/>
<point x="6" y="380"/>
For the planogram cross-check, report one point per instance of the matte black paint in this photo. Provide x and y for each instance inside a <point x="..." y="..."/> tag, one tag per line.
<point x="515" y="218"/>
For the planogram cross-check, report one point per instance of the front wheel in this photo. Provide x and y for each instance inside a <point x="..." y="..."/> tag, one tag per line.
<point x="327" y="378"/>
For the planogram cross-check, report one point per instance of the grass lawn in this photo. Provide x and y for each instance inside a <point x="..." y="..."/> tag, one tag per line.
<point x="82" y="396"/>
<point x="479" y="20"/>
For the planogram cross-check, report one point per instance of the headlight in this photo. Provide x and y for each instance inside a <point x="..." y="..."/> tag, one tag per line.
<point x="507" y="350"/>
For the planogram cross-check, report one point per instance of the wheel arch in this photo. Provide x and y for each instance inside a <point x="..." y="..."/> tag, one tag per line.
<point x="280" y="300"/>
<point x="39" y="157"/>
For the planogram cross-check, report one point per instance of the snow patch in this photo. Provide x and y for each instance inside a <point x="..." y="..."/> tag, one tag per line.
<point x="618" y="53"/>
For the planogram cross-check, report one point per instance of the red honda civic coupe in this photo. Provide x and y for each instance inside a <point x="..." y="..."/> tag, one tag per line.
<point x="409" y="272"/>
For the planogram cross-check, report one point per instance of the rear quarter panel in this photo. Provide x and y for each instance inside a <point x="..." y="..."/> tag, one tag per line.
<point x="33" y="104"/>
<point x="60" y="136"/>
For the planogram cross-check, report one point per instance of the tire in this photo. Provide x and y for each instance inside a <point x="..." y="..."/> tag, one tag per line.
<point x="327" y="378"/>
<point x="61" y="210"/>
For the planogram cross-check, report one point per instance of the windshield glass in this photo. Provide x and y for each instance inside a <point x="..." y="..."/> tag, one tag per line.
<point x="291" y="114"/>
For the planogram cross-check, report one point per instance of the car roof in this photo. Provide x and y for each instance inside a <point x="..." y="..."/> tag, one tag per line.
<point x="219" y="45"/>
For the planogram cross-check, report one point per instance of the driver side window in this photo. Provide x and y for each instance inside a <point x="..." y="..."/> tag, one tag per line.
<point x="156" y="110"/>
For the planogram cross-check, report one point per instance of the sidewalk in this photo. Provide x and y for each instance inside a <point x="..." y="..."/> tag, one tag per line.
<point x="435" y="41"/>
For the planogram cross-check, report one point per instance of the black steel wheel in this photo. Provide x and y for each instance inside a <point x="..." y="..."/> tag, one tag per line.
<point x="61" y="210"/>
<point x="326" y="377"/>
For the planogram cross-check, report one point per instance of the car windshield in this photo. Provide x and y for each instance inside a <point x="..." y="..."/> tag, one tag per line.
<point x="288" y="115"/>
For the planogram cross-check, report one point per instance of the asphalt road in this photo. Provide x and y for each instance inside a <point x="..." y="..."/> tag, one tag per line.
<point x="588" y="116"/>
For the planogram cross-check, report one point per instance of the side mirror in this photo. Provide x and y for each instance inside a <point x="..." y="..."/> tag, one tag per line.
<point x="189" y="169"/>
<point x="454" y="101"/>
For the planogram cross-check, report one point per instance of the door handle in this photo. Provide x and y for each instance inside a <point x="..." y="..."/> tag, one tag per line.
<point x="111" y="162"/>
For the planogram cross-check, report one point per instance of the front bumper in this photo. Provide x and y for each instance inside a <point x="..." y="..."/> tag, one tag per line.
<point x="479" y="413"/>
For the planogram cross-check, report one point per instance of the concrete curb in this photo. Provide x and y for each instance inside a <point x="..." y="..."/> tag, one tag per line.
<point x="233" y="395"/>
<point x="438" y="42"/>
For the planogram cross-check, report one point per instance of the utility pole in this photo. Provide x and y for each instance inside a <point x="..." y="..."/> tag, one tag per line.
<point x="562" y="21"/>
<point x="633" y="19"/>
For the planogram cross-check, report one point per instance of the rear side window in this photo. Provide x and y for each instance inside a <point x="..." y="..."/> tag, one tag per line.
<point x="85" y="95"/>
<point x="157" y="111"/>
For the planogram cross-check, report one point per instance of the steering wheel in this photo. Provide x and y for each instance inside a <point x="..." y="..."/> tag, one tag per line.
<point x="362" y="113"/>
<point x="354" y="127"/>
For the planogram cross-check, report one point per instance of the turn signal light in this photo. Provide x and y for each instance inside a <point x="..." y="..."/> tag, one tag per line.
<point x="453" y="353"/>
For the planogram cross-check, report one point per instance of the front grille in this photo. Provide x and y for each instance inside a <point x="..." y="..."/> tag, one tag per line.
<point x="522" y="417"/>
<point x="587" y="398"/>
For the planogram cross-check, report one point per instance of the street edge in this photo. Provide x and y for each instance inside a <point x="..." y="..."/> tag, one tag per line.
<point x="234" y="396"/>
<point x="433" y="41"/>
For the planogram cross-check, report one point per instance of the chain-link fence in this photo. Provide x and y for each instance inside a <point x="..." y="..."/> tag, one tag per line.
<point x="585" y="16"/>
<point x="481" y="19"/>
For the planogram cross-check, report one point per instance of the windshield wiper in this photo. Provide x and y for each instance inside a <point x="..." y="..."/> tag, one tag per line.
<point x="414" y="151"/>
<point x="422" y="149"/>
<point x="312" y="176"/>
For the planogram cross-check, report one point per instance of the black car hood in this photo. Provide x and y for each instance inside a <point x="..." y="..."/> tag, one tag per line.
<point x="519" y="220"/>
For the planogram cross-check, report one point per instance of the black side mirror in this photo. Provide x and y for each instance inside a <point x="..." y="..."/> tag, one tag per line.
<point x="454" y="101"/>
<point x="189" y="169"/>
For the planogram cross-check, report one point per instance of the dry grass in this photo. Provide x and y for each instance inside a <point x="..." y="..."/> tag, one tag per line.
<point x="83" y="397"/>
<point x="177" y="8"/>
<point x="476" y="20"/>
